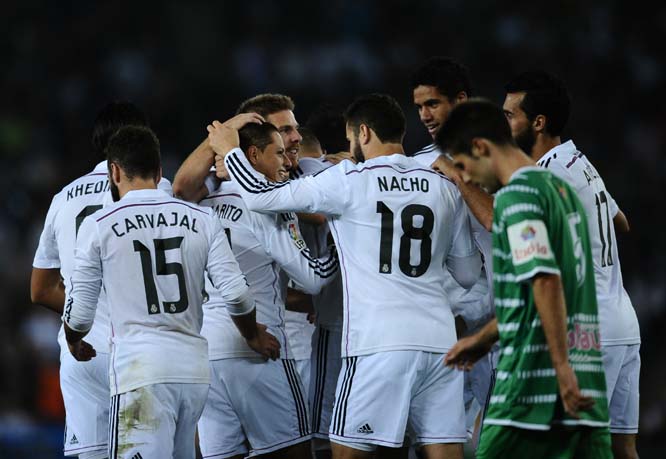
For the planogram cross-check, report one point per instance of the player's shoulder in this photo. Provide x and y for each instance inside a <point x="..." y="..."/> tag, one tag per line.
<point x="428" y="150"/>
<point x="527" y="184"/>
<point x="311" y="166"/>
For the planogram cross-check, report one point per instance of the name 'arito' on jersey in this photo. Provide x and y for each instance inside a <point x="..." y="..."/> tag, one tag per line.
<point x="138" y="221"/>
<point x="409" y="184"/>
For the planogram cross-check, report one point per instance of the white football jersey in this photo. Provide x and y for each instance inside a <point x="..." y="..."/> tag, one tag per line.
<point x="328" y="304"/>
<point x="476" y="305"/>
<point x="150" y="252"/>
<point x="68" y="209"/>
<point x="396" y="226"/>
<point x="619" y="324"/>
<point x="263" y="244"/>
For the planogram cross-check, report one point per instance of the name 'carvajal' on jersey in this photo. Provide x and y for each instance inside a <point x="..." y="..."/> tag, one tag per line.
<point x="139" y="221"/>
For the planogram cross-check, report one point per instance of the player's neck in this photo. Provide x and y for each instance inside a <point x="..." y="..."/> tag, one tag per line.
<point x="384" y="149"/>
<point x="135" y="185"/>
<point x="543" y="145"/>
<point x="512" y="159"/>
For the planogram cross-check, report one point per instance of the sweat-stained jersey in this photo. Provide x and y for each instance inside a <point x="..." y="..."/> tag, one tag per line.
<point x="263" y="244"/>
<point x="539" y="226"/>
<point x="619" y="324"/>
<point x="68" y="209"/>
<point x="150" y="252"/>
<point x="397" y="227"/>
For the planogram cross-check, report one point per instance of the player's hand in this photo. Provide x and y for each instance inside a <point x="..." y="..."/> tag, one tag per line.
<point x="264" y="343"/>
<point x="572" y="398"/>
<point x="447" y="167"/>
<point x="223" y="137"/>
<point x="82" y="351"/>
<point x="466" y="352"/>
<point x="220" y="168"/>
<point x="336" y="158"/>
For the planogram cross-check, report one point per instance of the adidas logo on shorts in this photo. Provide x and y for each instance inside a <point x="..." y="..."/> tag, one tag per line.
<point x="137" y="456"/>
<point x="74" y="440"/>
<point x="365" y="428"/>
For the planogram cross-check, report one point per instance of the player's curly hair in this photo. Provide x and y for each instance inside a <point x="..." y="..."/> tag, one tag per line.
<point x="266" y="104"/>
<point x="112" y="117"/>
<point x="449" y="76"/>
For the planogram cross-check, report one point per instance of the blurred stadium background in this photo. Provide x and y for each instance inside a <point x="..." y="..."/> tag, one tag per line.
<point x="186" y="63"/>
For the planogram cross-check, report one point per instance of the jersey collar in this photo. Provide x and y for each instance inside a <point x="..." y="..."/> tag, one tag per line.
<point x="566" y="147"/>
<point x="147" y="193"/>
<point x="101" y="167"/>
<point x="524" y="169"/>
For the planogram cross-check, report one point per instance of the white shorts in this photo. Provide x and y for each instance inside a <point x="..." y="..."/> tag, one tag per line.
<point x="85" y="391"/>
<point x="158" y="420"/>
<point x="303" y="369"/>
<point x="381" y="396"/>
<point x="261" y="402"/>
<point x="324" y="371"/>
<point x="479" y="382"/>
<point x="622" y="365"/>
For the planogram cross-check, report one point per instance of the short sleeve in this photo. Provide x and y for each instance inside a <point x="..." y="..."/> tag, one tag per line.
<point x="523" y="221"/>
<point x="47" y="255"/>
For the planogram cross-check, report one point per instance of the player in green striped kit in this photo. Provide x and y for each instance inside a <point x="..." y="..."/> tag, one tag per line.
<point x="549" y="400"/>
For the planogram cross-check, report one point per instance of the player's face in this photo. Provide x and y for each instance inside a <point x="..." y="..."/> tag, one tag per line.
<point x="354" y="145"/>
<point x="478" y="170"/>
<point x="285" y="122"/>
<point x="521" y="127"/>
<point x="433" y="107"/>
<point x="272" y="161"/>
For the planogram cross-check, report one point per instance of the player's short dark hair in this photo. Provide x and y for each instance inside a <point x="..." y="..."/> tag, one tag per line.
<point x="309" y="139"/>
<point x="266" y="104"/>
<point x="136" y="150"/>
<point x="476" y="118"/>
<point x="112" y="117"/>
<point x="258" y="135"/>
<point x="449" y="76"/>
<point x="381" y="113"/>
<point x="546" y="95"/>
<point x="328" y="125"/>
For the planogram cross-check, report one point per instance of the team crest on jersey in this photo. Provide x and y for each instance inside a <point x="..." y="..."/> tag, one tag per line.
<point x="562" y="191"/>
<point x="296" y="236"/>
<point x="529" y="240"/>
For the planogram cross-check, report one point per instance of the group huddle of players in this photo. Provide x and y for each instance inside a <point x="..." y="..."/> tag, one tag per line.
<point x="315" y="291"/>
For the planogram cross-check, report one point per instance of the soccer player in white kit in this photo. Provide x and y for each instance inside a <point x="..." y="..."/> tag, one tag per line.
<point x="537" y="106"/>
<point x="437" y="86"/>
<point x="272" y="416"/>
<point x="84" y="385"/>
<point x="396" y="227"/>
<point x="150" y="252"/>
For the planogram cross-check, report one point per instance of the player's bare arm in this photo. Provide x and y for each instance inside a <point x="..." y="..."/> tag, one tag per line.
<point x="256" y="335"/>
<point x="621" y="222"/>
<point x="81" y="350"/>
<point x="298" y="301"/>
<point x="478" y="201"/>
<point x="313" y="219"/>
<point x="223" y="137"/>
<point x="549" y="301"/>
<point x="188" y="184"/>
<point x="47" y="289"/>
<point x="467" y="351"/>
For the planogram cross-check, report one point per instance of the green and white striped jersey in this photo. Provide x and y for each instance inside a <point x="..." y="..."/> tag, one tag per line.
<point x="539" y="226"/>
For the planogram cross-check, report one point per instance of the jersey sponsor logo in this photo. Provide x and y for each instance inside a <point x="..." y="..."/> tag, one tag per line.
<point x="296" y="237"/>
<point x="403" y="184"/>
<point x="365" y="429"/>
<point x="584" y="337"/>
<point x="529" y="240"/>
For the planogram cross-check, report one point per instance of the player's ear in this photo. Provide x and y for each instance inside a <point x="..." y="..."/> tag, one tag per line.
<point x="480" y="147"/>
<point x="114" y="173"/>
<point x="364" y="134"/>
<point x="158" y="176"/>
<point x="252" y="154"/>
<point x="539" y="124"/>
<point x="460" y="97"/>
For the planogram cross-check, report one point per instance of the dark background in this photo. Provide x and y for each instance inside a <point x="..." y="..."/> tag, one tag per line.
<point x="187" y="63"/>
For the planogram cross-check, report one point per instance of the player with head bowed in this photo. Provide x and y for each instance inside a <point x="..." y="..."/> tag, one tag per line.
<point x="84" y="385"/>
<point x="150" y="253"/>
<point x="549" y="399"/>
<point x="397" y="227"/>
